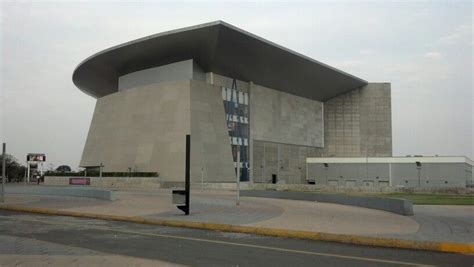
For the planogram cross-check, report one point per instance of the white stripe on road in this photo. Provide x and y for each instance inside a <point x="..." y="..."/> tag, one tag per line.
<point x="221" y="242"/>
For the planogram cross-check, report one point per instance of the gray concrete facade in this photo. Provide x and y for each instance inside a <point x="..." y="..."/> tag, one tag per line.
<point x="178" y="71"/>
<point x="359" y="123"/>
<point x="287" y="163"/>
<point x="144" y="128"/>
<point x="282" y="118"/>
<point x="211" y="156"/>
<point x="149" y="99"/>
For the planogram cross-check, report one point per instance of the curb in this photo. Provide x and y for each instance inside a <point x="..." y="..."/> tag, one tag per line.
<point x="465" y="248"/>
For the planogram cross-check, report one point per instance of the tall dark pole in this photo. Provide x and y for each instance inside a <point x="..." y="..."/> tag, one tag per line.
<point x="188" y="179"/>
<point x="237" y="185"/>
<point x="419" y="177"/>
<point x="326" y="166"/>
<point x="418" y="166"/>
<point x="4" y="167"/>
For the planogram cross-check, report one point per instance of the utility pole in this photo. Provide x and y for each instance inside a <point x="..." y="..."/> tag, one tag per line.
<point x="4" y="167"/>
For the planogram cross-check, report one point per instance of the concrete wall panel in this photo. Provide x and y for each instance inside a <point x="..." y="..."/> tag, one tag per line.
<point x="283" y="118"/>
<point x="358" y="123"/>
<point x="178" y="71"/>
<point x="143" y="128"/>
<point x="210" y="149"/>
<point x="287" y="162"/>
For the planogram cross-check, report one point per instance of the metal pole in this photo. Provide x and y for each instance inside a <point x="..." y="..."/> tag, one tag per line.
<point x="326" y="174"/>
<point x="238" y="176"/>
<point x="28" y="173"/>
<point x="202" y="168"/>
<point x="278" y="163"/>
<point x="390" y="174"/>
<point x="264" y="180"/>
<point x="202" y="178"/>
<point x="367" y="156"/>
<point x="187" y="173"/>
<point x="419" y="180"/>
<point x="4" y="167"/>
<point x="367" y="166"/>
<point x="100" y="170"/>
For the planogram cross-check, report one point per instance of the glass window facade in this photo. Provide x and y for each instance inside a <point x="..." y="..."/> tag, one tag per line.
<point x="236" y="106"/>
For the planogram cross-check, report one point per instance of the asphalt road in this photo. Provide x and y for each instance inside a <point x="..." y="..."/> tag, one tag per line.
<point x="196" y="247"/>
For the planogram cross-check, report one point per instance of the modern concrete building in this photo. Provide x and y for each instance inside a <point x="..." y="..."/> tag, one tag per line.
<point x="392" y="171"/>
<point x="231" y="90"/>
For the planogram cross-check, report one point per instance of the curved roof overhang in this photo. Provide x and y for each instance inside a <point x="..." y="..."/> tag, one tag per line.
<point x="220" y="48"/>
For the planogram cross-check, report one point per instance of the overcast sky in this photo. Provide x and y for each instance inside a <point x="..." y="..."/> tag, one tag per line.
<point x="424" y="49"/>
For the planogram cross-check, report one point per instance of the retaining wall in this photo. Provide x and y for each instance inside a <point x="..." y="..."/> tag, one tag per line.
<point x="73" y="191"/>
<point x="395" y="205"/>
<point x="110" y="182"/>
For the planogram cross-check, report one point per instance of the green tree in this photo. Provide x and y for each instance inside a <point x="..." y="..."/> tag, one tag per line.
<point x="14" y="170"/>
<point x="63" y="168"/>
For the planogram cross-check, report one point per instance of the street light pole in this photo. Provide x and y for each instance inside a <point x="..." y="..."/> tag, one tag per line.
<point x="202" y="178"/>
<point x="418" y="166"/>
<point x="419" y="179"/>
<point x="238" y="176"/>
<point x="4" y="167"/>
<point x="326" y="166"/>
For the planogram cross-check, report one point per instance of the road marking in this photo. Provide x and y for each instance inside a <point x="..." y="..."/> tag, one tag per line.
<point x="220" y="242"/>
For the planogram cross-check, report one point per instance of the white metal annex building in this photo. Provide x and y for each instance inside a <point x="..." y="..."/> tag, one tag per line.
<point x="392" y="171"/>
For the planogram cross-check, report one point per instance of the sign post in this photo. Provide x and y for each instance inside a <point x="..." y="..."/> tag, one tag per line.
<point x="4" y="167"/>
<point x="32" y="160"/>
<point x="238" y="177"/>
<point x="182" y="196"/>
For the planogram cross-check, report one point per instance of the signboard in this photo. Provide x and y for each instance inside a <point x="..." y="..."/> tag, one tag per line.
<point x="179" y="197"/>
<point x="80" y="181"/>
<point x="33" y="166"/>
<point x="35" y="157"/>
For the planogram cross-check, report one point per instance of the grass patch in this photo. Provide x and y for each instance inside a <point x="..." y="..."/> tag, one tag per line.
<point x="434" y="199"/>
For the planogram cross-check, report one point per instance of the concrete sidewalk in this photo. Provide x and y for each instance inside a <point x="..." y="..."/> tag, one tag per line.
<point x="440" y="223"/>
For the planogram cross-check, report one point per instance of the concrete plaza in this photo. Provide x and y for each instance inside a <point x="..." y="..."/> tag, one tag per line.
<point x="430" y="223"/>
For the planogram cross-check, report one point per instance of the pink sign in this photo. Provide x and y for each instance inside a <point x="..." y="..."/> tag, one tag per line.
<point x="80" y="181"/>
